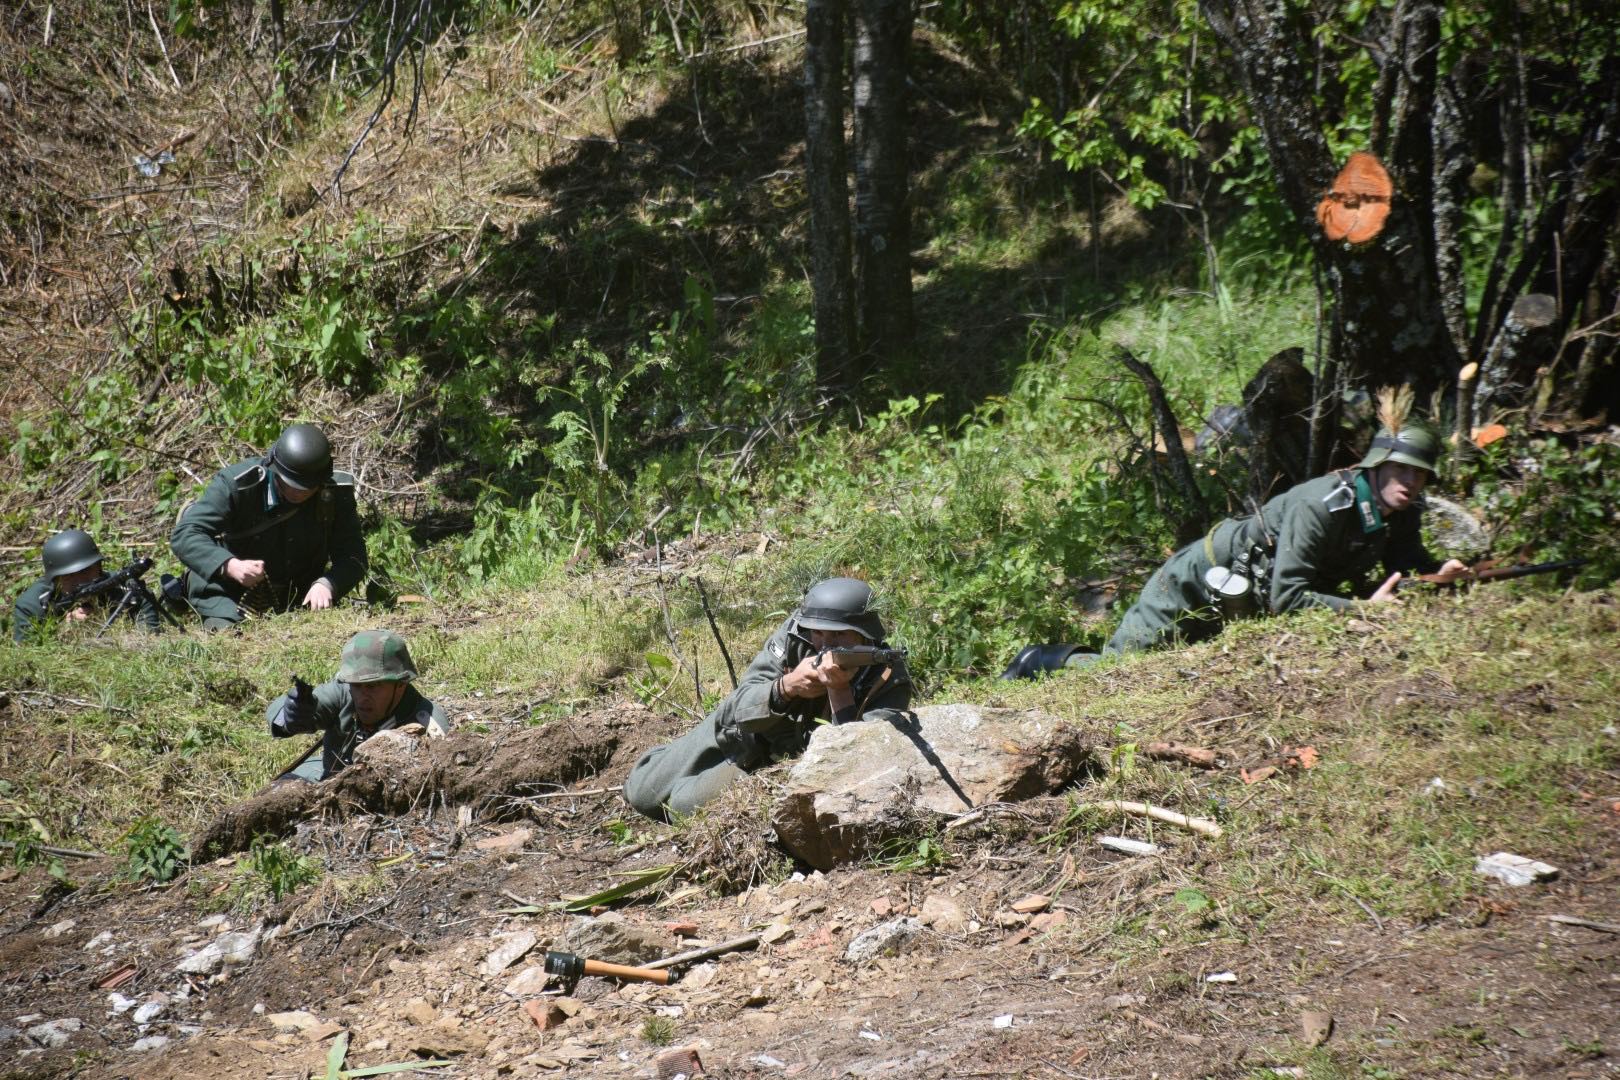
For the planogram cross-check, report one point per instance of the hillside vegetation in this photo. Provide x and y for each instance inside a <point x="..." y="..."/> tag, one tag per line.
<point x="555" y="317"/>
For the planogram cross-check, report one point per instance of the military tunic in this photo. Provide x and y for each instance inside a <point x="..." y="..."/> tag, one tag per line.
<point x="753" y="726"/>
<point x="242" y="516"/>
<point x="33" y="606"/>
<point x="334" y="716"/>
<point x="1305" y="544"/>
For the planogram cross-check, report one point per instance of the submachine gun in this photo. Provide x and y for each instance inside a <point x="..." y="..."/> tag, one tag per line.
<point x="129" y="587"/>
<point x="857" y="656"/>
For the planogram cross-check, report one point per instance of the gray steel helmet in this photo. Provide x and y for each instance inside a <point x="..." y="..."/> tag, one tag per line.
<point x="376" y="656"/>
<point x="840" y="603"/>
<point x="68" y="552"/>
<point x="1414" y="444"/>
<point x="302" y="457"/>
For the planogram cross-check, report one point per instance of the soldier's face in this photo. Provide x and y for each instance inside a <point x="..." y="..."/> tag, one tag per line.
<point x="291" y="494"/>
<point x="1399" y="484"/>
<point x="66" y="583"/>
<point x="374" y="701"/>
<point x="835" y="639"/>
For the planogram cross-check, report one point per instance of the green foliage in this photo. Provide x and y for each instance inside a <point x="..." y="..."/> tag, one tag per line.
<point x="156" y="851"/>
<point x="658" y="1030"/>
<point x="1543" y="497"/>
<point x="913" y="855"/>
<point x="278" y="870"/>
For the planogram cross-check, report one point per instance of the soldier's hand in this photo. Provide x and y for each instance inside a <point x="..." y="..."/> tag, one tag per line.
<point x="245" y="572"/>
<point x="1451" y="570"/>
<point x="1386" y="592"/>
<point x="813" y="677"/>
<point x="78" y="614"/>
<point x="319" y="597"/>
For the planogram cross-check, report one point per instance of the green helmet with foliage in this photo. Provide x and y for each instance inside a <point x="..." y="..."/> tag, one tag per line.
<point x="1410" y="442"/>
<point x="68" y="552"/>
<point x="376" y="656"/>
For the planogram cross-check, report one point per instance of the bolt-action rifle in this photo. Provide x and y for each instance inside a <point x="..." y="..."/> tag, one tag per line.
<point x="857" y="656"/>
<point x="1488" y="572"/>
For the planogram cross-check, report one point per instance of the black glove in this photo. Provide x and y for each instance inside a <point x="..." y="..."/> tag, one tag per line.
<point x="300" y="709"/>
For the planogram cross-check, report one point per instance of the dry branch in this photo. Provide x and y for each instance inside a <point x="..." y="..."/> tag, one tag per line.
<point x="1202" y="826"/>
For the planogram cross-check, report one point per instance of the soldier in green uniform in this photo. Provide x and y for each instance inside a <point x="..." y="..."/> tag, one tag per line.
<point x="777" y="703"/>
<point x="1294" y="554"/>
<point x="272" y="533"/>
<point x="72" y="560"/>
<point x="372" y="693"/>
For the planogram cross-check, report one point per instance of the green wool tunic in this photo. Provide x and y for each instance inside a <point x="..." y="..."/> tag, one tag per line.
<point x="241" y="516"/>
<point x="32" y="606"/>
<point x="334" y="717"/>
<point x="752" y="727"/>
<point x="1318" y="537"/>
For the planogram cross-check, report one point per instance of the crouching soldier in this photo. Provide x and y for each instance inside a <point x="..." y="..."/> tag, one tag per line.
<point x="1296" y="553"/>
<point x="72" y="560"/>
<point x="372" y="693"/>
<point x="272" y="534"/>
<point x="785" y="692"/>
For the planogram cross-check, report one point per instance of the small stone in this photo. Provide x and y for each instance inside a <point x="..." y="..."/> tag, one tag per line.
<point x="1010" y="919"/>
<point x="529" y="982"/>
<point x="103" y="938"/>
<point x="570" y="1006"/>
<point x="757" y="999"/>
<point x="1316" y="1027"/>
<point x="1221" y="977"/>
<point x="1032" y="903"/>
<point x="883" y="939"/>
<point x="1049" y="920"/>
<point x="296" y="1021"/>
<point x="509" y="952"/>
<point x="214" y="922"/>
<point x="225" y="951"/>
<point x="375" y="1044"/>
<point x="118" y="1004"/>
<point x="774" y="933"/>
<point x="151" y="1010"/>
<point x="1126" y="846"/>
<point x="420" y="1012"/>
<point x="943" y="914"/>
<point x="1005" y="1020"/>
<point x="1124" y="1001"/>
<point x="505" y="842"/>
<point x="882" y="906"/>
<point x="57" y="930"/>
<point x="1515" y="870"/>
<point x="150" y="1042"/>
<point x="56" y="1033"/>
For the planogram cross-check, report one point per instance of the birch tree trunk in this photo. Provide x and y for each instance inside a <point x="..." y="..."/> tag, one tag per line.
<point x="882" y="199"/>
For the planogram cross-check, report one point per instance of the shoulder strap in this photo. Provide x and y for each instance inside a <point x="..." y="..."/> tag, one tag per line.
<point x="267" y="523"/>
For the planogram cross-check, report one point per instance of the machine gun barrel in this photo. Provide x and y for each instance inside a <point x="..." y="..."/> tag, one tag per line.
<point x="105" y="583"/>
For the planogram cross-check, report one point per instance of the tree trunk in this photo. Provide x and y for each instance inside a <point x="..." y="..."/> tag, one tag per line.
<point x="882" y="202"/>
<point x="825" y="167"/>
<point x="1528" y="340"/>
<point x="1277" y="405"/>
<point x="1389" y="324"/>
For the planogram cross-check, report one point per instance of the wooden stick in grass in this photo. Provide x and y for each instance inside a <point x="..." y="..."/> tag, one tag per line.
<point x="1202" y="826"/>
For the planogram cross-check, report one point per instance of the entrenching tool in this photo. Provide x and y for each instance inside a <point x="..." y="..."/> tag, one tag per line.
<point x="571" y="968"/>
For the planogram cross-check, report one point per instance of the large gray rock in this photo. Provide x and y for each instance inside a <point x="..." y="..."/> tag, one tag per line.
<point x="1457" y="533"/>
<point x="613" y="938"/>
<point x="861" y="784"/>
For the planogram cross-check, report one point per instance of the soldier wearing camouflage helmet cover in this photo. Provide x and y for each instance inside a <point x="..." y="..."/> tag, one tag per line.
<point x="372" y="692"/>
<point x="779" y="700"/>
<point x="1296" y="553"/>
<point x="71" y="559"/>
<point x="272" y="533"/>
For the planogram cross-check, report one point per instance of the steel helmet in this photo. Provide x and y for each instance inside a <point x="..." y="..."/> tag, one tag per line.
<point x="840" y="603"/>
<point x="68" y="552"/>
<point x="1413" y="443"/>
<point x="376" y="656"/>
<point x="302" y="457"/>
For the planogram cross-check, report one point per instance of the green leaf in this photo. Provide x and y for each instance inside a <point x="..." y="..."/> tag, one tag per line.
<point x="636" y="881"/>
<point x="335" y="1056"/>
<point x="1193" y="900"/>
<point x="398" y="1066"/>
<point x="660" y="664"/>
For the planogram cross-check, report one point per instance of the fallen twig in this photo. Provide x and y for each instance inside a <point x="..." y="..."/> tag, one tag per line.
<point x="1571" y="920"/>
<point x="1189" y="755"/>
<point x="705" y="953"/>
<point x="61" y="852"/>
<point x="703" y="595"/>
<point x="1202" y="826"/>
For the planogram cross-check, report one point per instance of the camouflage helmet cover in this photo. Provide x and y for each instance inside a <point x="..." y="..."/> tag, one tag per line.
<point x="1414" y="444"/>
<point x="376" y="656"/>
<point x="840" y="603"/>
<point x="68" y="552"/>
<point x="302" y="457"/>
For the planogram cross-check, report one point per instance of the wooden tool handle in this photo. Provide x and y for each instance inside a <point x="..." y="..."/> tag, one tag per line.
<point x="619" y="971"/>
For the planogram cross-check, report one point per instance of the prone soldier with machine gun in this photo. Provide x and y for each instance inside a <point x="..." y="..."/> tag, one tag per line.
<point x="75" y="589"/>
<point x="828" y="663"/>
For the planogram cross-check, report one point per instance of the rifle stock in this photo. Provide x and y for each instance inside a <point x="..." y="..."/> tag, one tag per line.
<point x="1491" y="573"/>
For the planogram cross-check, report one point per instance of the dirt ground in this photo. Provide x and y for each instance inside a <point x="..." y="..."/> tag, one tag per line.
<point x="389" y="951"/>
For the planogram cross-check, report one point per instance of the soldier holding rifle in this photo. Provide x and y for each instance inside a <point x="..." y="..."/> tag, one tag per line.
<point x="372" y="692"/>
<point x="827" y="663"/>
<point x="72" y="562"/>
<point x="272" y="534"/>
